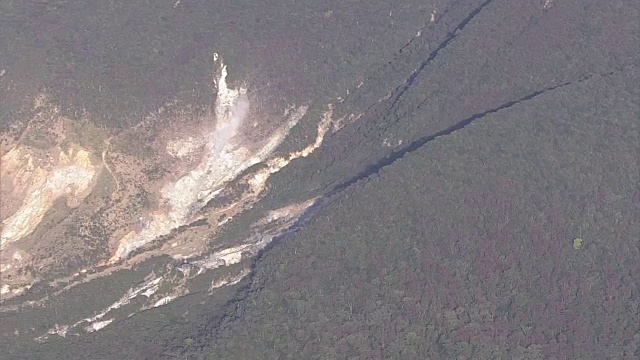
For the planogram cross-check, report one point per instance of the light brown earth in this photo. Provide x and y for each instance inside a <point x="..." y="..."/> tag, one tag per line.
<point x="77" y="199"/>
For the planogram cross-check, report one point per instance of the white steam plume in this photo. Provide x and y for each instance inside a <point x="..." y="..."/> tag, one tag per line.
<point x="230" y="122"/>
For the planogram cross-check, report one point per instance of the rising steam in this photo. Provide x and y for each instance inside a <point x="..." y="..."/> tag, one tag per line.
<point x="229" y="122"/>
<point x="225" y="159"/>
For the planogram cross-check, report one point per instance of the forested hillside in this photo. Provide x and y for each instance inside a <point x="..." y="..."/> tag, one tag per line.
<point x="477" y="197"/>
<point x="465" y="247"/>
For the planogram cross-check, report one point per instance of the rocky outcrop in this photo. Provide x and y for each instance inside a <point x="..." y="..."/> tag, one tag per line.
<point x="79" y="203"/>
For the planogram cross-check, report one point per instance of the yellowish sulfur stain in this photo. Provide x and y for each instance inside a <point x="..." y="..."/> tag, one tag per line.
<point x="71" y="175"/>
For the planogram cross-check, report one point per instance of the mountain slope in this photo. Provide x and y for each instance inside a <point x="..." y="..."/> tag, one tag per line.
<point x="465" y="247"/>
<point x="417" y="180"/>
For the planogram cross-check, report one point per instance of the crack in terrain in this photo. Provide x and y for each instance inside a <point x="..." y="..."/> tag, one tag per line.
<point x="249" y="286"/>
<point x="399" y="90"/>
<point x="402" y="89"/>
<point x="417" y="144"/>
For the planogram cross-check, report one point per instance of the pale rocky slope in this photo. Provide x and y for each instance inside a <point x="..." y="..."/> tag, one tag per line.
<point x="141" y="193"/>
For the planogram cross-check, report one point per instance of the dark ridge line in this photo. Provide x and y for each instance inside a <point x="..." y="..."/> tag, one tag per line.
<point x="400" y="90"/>
<point x="416" y="144"/>
<point x="450" y="36"/>
<point x="248" y="285"/>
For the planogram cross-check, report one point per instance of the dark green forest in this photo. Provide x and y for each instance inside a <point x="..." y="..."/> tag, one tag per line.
<point x="450" y="211"/>
<point x="464" y="248"/>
